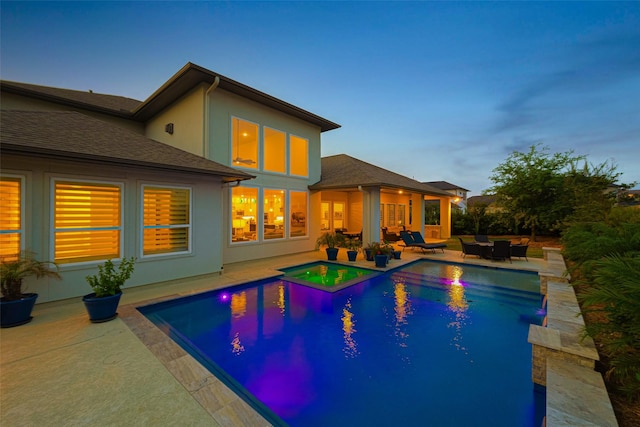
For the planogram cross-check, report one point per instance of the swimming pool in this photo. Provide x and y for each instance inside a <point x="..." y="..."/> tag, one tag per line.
<point x="430" y="344"/>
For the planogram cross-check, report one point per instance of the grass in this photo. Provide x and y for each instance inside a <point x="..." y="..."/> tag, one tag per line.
<point x="534" y="251"/>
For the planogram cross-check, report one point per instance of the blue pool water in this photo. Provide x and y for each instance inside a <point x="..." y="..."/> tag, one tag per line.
<point x="430" y="344"/>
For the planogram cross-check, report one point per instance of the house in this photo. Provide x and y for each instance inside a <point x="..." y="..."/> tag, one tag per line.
<point x="459" y="194"/>
<point x="204" y="172"/>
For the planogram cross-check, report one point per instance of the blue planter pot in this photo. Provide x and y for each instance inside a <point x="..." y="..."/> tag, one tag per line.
<point x="396" y="254"/>
<point x="17" y="312"/>
<point x="352" y="255"/>
<point x="332" y="254"/>
<point x="368" y="254"/>
<point x="381" y="260"/>
<point x="101" y="309"/>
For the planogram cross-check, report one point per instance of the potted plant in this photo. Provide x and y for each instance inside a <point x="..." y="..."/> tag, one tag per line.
<point x="371" y="250"/>
<point x="353" y="247"/>
<point x="332" y="241"/>
<point x="15" y="305"/>
<point x="107" y="285"/>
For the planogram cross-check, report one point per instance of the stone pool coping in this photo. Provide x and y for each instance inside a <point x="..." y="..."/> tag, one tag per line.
<point x="562" y="359"/>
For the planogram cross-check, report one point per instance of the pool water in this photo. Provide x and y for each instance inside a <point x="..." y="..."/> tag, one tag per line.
<point x="431" y="344"/>
<point x="327" y="276"/>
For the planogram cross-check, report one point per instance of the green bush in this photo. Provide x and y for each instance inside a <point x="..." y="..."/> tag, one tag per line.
<point x="605" y="259"/>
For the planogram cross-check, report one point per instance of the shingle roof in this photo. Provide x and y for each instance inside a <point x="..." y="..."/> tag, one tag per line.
<point x="342" y="171"/>
<point x="118" y="105"/>
<point x="72" y="135"/>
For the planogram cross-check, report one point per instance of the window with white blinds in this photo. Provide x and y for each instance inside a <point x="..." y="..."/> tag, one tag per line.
<point x="166" y="220"/>
<point x="11" y="216"/>
<point x="87" y="220"/>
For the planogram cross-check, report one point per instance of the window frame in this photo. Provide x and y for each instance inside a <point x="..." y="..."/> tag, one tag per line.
<point x="21" y="231"/>
<point x="259" y="142"/>
<point x="54" y="230"/>
<point x="285" y="154"/>
<point x="189" y="226"/>
<point x="290" y="213"/>
<point x="259" y="211"/>
<point x="290" y="152"/>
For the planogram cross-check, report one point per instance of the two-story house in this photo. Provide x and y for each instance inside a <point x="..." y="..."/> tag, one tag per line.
<point x="204" y="172"/>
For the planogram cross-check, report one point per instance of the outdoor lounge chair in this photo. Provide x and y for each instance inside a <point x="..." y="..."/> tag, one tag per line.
<point x="482" y="238"/>
<point x="470" y="248"/>
<point x="501" y="250"/>
<point x="413" y="239"/>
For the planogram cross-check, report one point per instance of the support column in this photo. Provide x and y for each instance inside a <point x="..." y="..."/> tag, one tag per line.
<point x="445" y="218"/>
<point x="370" y="214"/>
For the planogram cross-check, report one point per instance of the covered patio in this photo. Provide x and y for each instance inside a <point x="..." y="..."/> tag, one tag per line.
<point x="359" y="197"/>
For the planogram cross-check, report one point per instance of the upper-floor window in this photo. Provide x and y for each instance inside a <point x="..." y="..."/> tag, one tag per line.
<point x="244" y="151"/>
<point x="87" y="221"/>
<point x="275" y="143"/>
<point x="11" y="216"/>
<point x="299" y="156"/>
<point x="166" y="220"/>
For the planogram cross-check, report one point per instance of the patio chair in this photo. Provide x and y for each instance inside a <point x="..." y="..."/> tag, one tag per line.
<point x="520" y="250"/>
<point x="501" y="250"/>
<point x="389" y="236"/>
<point x="470" y="248"/>
<point x="482" y="238"/>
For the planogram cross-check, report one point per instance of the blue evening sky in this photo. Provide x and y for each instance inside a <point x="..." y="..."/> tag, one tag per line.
<point x="432" y="90"/>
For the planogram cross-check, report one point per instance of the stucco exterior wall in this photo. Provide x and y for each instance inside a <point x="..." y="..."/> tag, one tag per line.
<point x="187" y="116"/>
<point x="206" y="253"/>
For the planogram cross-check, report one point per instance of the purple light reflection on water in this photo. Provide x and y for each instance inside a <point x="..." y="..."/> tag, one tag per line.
<point x="361" y="356"/>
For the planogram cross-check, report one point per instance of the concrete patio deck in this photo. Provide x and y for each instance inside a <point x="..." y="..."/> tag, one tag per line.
<point x="60" y="369"/>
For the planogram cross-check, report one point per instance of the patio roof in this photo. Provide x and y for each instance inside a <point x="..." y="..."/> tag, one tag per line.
<point x="74" y="136"/>
<point x="342" y="171"/>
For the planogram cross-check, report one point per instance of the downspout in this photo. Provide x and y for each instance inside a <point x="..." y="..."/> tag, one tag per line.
<point x="205" y="135"/>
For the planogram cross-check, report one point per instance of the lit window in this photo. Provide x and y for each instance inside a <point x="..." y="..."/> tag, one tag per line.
<point x="244" y="152"/>
<point x="244" y="214"/>
<point x="299" y="160"/>
<point x="87" y="221"/>
<point x="10" y="216"/>
<point x="274" y="150"/>
<point x="273" y="214"/>
<point x="298" y="224"/>
<point x="166" y="220"/>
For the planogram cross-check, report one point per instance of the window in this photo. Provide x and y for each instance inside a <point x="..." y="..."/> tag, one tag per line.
<point x="11" y="216"/>
<point x="275" y="143"/>
<point x="87" y="221"/>
<point x="391" y="217"/>
<point x="273" y="214"/>
<point x="166" y="220"/>
<point x="298" y="209"/>
<point x="244" y="152"/>
<point x="244" y="214"/>
<point x="299" y="160"/>
<point x="401" y="210"/>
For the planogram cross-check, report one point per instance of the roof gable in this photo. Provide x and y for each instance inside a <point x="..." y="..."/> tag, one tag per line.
<point x="72" y="135"/>
<point x="343" y="171"/>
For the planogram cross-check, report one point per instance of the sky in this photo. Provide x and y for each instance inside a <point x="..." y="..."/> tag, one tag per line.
<point x="436" y="91"/>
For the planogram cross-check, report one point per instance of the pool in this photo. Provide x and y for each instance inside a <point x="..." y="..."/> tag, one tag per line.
<point x="431" y="343"/>
<point x="327" y="276"/>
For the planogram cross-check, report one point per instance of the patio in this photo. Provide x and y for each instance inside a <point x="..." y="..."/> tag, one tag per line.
<point x="63" y="370"/>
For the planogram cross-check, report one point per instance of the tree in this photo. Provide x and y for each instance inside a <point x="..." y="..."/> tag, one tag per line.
<point x="545" y="190"/>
